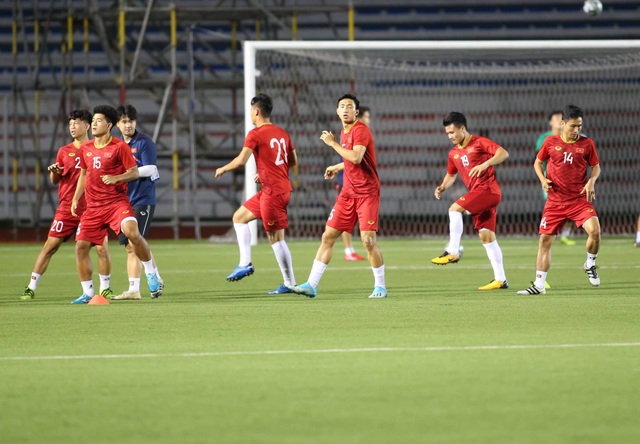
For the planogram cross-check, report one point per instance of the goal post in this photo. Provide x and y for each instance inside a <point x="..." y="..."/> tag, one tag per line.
<point x="505" y="88"/>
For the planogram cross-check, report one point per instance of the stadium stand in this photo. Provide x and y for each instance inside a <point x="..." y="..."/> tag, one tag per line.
<point x="86" y="74"/>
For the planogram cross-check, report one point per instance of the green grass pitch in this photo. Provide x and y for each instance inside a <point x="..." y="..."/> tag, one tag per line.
<point x="219" y="362"/>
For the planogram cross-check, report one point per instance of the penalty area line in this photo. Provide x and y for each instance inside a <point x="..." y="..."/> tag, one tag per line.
<point x="319" y="351"/>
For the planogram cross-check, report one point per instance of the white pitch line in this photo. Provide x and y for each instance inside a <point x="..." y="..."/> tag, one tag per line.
<point x="319" y="351"/>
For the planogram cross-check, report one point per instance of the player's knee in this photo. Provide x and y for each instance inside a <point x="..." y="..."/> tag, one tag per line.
<point x="82" y="247"/>
<point x="368" y="240"/>
<point x="51" y="249"/>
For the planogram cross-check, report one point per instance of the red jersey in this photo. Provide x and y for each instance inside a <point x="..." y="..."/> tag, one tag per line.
<point x="477" y="151"/>
<point x="111" y="160"/>
<point x="567" y="166"/>
<point x="362" y="179"/>
<point x="271" y="147"/>
<point x="68" y="158"/>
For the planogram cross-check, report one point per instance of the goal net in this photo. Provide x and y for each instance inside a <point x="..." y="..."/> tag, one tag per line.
<point x="505" y="89"/>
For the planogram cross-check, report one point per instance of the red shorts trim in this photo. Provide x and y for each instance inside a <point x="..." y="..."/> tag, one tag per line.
<point x="64" y="224"/>
<point x="555" y="215"/>
<point x="483" y="207"/>
<point x="272" y="209"/>
<point x="347" y="211"/>
<point x="94" y="223"/>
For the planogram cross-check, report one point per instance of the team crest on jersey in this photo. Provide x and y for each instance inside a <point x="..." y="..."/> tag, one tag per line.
<point x="579" y="150"/>
<point x="108" y="155"/>
<point x="470" y="150"/>
<point x="134" y="150"/>
<point x="89" y="154"/>
<point x="558" y="148"/>
<point x="72" y="154"/>
<point x="455" y="156"/>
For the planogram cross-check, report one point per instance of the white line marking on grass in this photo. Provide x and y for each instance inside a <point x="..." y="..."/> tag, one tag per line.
<point x="319" y="351"/>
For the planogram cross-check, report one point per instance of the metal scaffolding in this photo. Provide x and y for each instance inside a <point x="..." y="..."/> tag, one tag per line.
<point x="50" y="76"/>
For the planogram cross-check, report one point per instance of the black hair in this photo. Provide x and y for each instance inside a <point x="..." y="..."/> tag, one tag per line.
<point x="81" y="114"/>
<point x="364" y="109"/>
<point x="349" y="96"/>
<point x="127" y="111"/>
<point x="455" y="118"/>
<point x="553" y="113"/>
<point x="109" y="112"/>
<point x="571" y="112"/>
<point x="264" y="103"/>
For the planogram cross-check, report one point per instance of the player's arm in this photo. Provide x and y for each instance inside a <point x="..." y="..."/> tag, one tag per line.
<point x="500" y="156"/>
<point x="448" y="180"/>
<point x="127" y="176"/>
<point x="148" y="156"/>
<point x="333" y="170"/>
<point x="149" y="171"/>
<point x="538" y="167"/>
<point x="354" y="156"/>
<point x="240" y="160"/>
<point x="293" y="158"/>
<point x="589" y="189"/>
<point x="79" y="191"/>
<point x="55" y="173"/>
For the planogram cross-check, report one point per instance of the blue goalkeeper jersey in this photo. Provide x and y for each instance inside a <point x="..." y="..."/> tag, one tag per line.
<point x="143" y="190"/>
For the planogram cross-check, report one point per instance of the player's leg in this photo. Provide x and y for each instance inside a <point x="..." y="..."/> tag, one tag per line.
<point x="144" y="216"/>
<point x="637" y="242"/>
<point x="342" y="218"/>
<point x="370" y="241"/>
<point x="543" y="264"/>
<point x="485" y="224"/>
<point x="553" y="219"/>
<point x="85" y="271"/>
<point x="322" y="259"/>
<point x="494" y="253"/>
<point x="129" y="226"/>
<point x="592" y="227"/>
<point x="368" y="210"/>
<point x="104" y="267"/>
<point x="92" y="230"/>
<point x="62" y="228"/>
<point x="134" y="270"/>
<point x="51" y="245"/>
<point x="456" y="227"/>
<point x="284" y="259"/>
<point x="275" y="221"/>
<point x="248" y="212"/>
